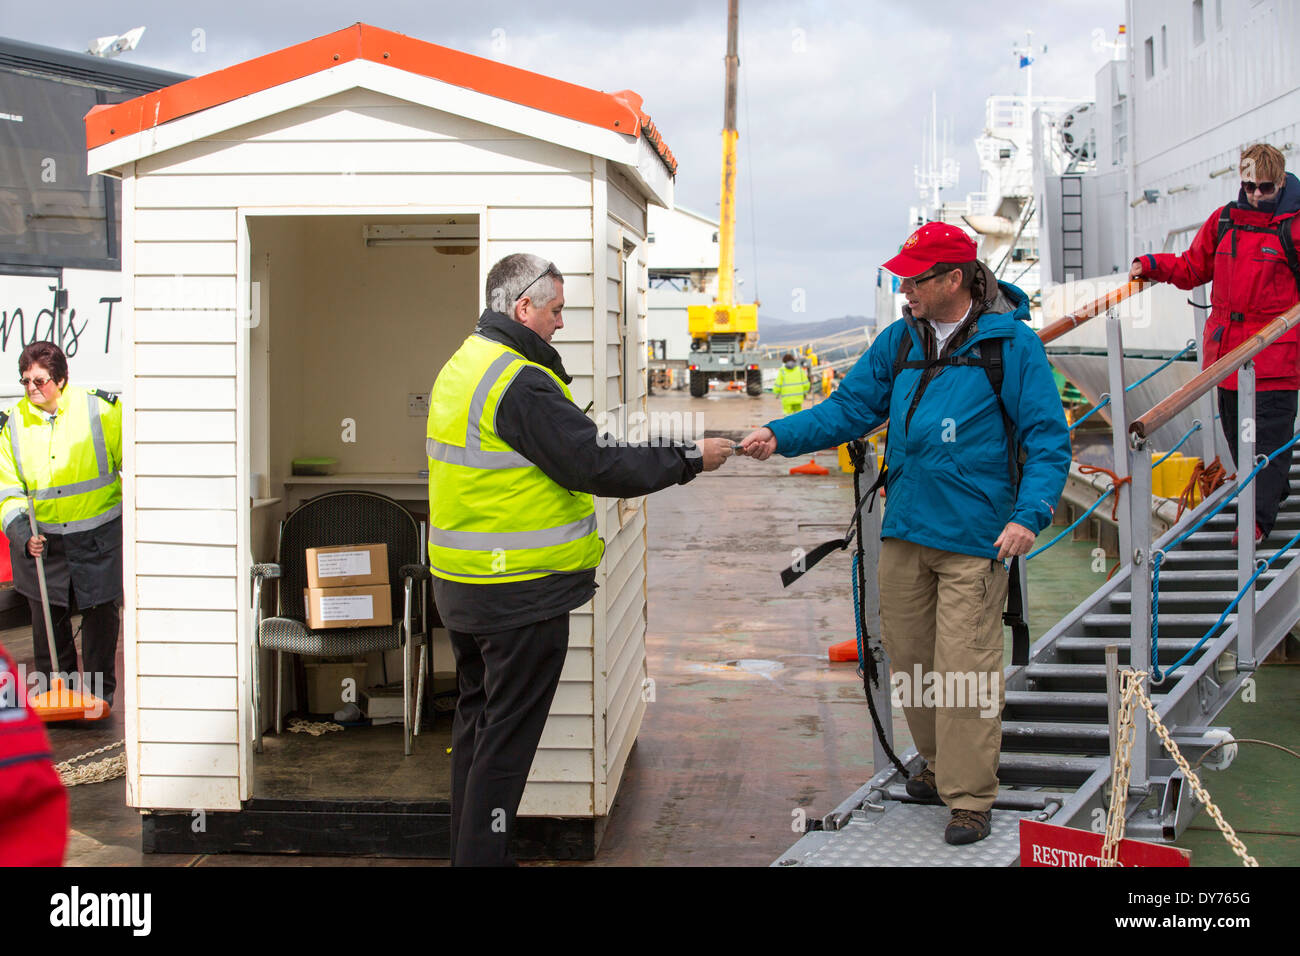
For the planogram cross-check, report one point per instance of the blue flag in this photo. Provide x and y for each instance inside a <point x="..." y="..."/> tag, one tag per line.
<point x="1025" y="61"/>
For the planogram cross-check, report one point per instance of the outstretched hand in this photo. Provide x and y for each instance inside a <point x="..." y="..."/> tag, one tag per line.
<point x="715" y="451"/>
<point x="759" y="444"/>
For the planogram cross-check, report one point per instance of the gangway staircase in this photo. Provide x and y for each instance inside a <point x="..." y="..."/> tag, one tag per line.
<point x="1057" y="735"/>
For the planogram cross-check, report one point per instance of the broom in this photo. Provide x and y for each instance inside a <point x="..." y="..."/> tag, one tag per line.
<point x="60" y="702"/>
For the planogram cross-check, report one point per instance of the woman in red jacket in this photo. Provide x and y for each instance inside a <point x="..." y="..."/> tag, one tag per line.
<point x="1248" y="248"/>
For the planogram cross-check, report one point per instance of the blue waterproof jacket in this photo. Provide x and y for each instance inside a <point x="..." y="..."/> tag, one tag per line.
<point x="949" y="482"/>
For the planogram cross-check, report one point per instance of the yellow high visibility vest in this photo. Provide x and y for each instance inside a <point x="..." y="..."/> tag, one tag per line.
<point x="70" y="465"/>
<point x="494" y="516"/>
<point x="791" y="383"/>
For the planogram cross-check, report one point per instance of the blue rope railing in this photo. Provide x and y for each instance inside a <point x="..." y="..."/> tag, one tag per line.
<point x="1191" y="344"/>
<point x="1105" y="400"/>
<point x="1037" y="551"/>
<point x="1156" y="674"/>
<point x="1196" y="426"/>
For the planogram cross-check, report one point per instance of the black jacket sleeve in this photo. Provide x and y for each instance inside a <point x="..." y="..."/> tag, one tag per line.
<point x="537" y="421"/>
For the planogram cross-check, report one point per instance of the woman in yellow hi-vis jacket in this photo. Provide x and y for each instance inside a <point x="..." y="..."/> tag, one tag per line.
<point x="62" y="446"/>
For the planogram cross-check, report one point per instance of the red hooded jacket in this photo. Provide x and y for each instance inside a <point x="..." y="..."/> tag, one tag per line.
<point x="1253" y="284"/>
<point x="33" y="801"/>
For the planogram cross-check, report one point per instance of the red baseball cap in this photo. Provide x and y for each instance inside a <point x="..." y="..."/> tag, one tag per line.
<point x="933" y="243"/>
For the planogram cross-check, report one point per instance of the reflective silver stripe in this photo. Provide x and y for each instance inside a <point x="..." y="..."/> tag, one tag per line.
<point x="76" y="488"/>
<point x="508" y="574"/>
<point x="513" y="540"/>
<point x="473" y="437"/>
<point x="20" y="513"/>
<point x="13" y="440"/>
<point x="12" y="493"/>
<point x="97" y="432"/>
<point x="85" y="524"/>
<point x="474" y="457"/>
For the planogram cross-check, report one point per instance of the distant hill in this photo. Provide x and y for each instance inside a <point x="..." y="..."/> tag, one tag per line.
<point x="776" y="332"/>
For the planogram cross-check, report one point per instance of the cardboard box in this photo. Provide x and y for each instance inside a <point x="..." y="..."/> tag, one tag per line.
<point x="347" y="565"/>
<point x="370" y="606"/>
<point x="326" y="683"/>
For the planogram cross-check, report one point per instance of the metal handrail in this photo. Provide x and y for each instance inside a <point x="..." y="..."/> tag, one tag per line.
<point x="1166" y="409"/>
<point x="1076" y="318"/>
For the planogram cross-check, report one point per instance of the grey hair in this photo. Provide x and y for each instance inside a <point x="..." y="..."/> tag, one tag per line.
<point x="520" y="274"/>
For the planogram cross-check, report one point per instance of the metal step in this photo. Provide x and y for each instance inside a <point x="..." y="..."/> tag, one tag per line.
<point x="1220" y="559"/>
<point x="1175" y="625"/>
<point x="1047" y="770"/>
<point x="1207" y="578"/>
<point x="1043" y="736"/>
<point x="1055" y="678"/>
<point x="1087" y="650"/>
<point x="1183" y="601"/>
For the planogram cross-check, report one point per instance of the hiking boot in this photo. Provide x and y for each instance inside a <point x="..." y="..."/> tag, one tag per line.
<point x="921" y="786"/>
<point x="968" y="826"/>
<point x="1259" y="536"/>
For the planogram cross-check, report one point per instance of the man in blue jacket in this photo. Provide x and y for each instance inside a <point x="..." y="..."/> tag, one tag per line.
<point x="955" y="511"/>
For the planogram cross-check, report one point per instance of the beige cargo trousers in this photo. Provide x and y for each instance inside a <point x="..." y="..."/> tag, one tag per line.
<point x="941" y="622"/>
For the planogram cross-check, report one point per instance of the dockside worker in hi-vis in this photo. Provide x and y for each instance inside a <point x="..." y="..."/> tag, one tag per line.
<point x="62" y="444"/>
<point x="963" y="381"/>
<point x="513" y="466"/>
<point x="791" y="384"/>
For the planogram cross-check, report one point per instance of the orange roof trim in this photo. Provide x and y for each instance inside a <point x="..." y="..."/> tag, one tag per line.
<point x="620" y="112"/>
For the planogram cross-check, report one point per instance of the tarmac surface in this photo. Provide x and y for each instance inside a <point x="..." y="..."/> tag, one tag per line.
<point x="750" y="726"/>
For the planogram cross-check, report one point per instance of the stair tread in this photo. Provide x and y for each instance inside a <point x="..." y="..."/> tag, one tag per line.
<point x="1054" y="728"/>
<point x="1080" y="643"/>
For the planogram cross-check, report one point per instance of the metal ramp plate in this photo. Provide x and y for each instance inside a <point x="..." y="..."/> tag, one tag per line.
<point x="907" y="834"/>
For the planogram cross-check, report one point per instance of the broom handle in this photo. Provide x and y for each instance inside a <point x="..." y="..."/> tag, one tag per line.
<point x="45" y="594"/>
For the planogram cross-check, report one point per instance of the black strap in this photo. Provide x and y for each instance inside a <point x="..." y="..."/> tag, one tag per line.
<point x="1014" y="617"/>
<point x="1281" y="231"/>
<point x="106" y="396"/>
<point x="4" y="419"/>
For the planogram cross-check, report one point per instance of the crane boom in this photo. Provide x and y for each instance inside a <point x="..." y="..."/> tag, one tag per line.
<point x="727" y="205"/>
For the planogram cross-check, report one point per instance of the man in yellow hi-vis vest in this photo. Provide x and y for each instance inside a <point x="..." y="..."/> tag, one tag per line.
<point x="791" y="384"/>
<point x="513" y="467"/>
<point x="62" y="445"/>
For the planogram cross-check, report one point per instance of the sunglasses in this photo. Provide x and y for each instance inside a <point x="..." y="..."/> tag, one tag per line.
<point x="932" y="275"/>
<point x="550" y="270"/>
<point x="37" y="383"/>
<point x="1264" y="189"/>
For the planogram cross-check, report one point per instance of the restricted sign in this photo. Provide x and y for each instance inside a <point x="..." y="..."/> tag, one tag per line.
<point x="1045" y="844"/>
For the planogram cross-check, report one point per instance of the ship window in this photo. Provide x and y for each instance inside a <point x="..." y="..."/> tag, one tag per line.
<point x="1150" y="48"/>
<point x="1198" y="22"/>
<point x="1164" y="48"/>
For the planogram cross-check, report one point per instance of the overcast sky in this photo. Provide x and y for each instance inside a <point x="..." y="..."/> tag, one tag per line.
<point x="835" y="95"/>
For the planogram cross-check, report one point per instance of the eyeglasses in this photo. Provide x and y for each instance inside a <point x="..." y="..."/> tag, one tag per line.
<point x="550" y="271"/>
<point x="1264" y="189"/>
<point x="37" y="383"/>
<point x="932" y="275"/>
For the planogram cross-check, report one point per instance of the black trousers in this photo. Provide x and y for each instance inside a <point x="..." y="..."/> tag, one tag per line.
<point x="99" y="629"/>
<point x="507" y="682"/>
<point x="1275" y="414"/>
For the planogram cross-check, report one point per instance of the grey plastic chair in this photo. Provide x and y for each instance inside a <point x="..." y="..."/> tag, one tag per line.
<point x="339" y="517"/>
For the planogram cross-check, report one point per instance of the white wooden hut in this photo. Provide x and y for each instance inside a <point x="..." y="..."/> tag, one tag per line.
<point x="305" y="239"/>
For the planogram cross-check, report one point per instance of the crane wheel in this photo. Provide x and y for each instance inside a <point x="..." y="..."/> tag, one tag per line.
<point x="753" y="381"/>
<point x="699" y="384"/>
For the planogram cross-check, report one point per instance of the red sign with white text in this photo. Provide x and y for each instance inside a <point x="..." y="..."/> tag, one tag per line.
<point x="1045" y="844"/>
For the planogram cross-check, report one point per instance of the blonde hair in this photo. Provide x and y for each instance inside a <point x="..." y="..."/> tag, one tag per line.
<point x="1263" y="163"/>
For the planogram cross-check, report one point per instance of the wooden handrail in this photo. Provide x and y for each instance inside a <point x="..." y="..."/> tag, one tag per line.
<point x="1165" y="410"/>
<point x="1076" y="318"/>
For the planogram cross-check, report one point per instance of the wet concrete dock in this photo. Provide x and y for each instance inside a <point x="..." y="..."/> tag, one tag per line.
<point x="749" y="724"/>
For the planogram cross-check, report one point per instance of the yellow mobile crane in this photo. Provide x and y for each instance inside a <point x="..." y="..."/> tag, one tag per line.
<point x="723" y="334"/>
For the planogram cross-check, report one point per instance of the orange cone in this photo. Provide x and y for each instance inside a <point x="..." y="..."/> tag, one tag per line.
<point x="812" y="468"/>
<point x="844" y="651"/>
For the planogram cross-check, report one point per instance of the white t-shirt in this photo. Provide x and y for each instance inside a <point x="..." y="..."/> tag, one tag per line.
<point x="943" y="330"/>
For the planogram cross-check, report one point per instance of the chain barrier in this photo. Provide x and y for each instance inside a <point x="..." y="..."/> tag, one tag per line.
<point x="97" y="772"/>
<point x="1132" y="694"/>
<point x="300" y="726"/>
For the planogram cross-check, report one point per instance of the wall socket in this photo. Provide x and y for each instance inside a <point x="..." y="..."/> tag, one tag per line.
<point x="417" y="405"/>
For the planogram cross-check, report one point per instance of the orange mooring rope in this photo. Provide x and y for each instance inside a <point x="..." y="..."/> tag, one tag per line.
<point x="1205" y="478"/>
<point x="1115" y="483"/>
